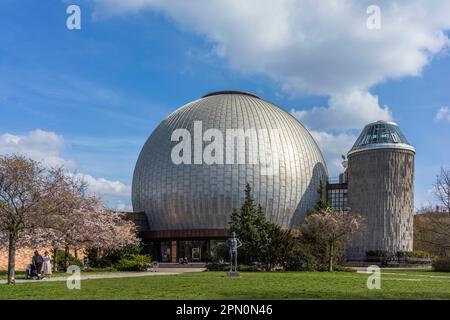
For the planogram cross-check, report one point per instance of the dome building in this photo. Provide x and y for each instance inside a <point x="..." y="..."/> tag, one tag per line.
<point x="192" y="171"/>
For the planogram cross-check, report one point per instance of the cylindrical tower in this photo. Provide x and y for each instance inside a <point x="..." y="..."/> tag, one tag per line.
<point x="381" y="190"/>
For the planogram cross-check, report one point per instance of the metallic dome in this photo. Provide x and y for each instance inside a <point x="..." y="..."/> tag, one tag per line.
<point x="202" y="196"/>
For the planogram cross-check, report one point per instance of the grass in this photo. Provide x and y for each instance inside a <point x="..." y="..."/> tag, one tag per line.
<point x="256" y="285"/>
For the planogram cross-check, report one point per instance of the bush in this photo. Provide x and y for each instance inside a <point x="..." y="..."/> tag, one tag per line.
<point x="248" y="268"/>
<point x="71" y="260"/>
<point x="414" y="257"/>
<point x="217" y="266"/>
<point x="298" y="260"/>
<point x="135" y="262"/>
<point x="442" y="264"/>
<point x="106" y="259"/>
<point x="378" y="255"/>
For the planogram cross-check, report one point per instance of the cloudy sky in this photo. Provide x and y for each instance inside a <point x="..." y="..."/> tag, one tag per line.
<point x="88" y="99"/>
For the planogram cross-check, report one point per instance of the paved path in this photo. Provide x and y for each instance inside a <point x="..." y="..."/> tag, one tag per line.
<point x="111" y="275"/>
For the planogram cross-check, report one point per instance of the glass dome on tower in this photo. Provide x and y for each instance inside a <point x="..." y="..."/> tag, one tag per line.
<point x="381" y="135"/>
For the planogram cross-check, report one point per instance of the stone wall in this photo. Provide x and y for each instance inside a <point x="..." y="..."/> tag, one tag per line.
<point x="381" y="190"/>
<point x="24" y="256"/>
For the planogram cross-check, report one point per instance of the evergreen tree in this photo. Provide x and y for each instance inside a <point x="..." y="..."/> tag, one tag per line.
<point x="323" y="201"/>
<point x="263" y="242"/>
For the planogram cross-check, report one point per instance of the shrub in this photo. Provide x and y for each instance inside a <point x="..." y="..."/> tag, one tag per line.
<point x="299" y="260"/>
<point x="248" y="268"/>
<point x="442" y="264"/>
<point x="71" y="260"/>
<point x="416" y="257"/>
<point x="217" y="266"/>
<point x="378" y="255"/>
<point x="104" y="259"/>
<point x="135" y="262"/>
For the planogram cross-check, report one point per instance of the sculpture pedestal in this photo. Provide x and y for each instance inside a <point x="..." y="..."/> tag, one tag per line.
<point x="234" y="274"/>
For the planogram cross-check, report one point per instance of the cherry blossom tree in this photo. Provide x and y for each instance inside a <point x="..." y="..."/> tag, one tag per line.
<point x="329" y="228"/>
<point x="22" y="188"/>
<point x="82" y="221"/>
<point x="41" y="207"/>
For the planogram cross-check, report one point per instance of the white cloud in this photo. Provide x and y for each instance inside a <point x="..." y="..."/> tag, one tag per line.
<point x="46" y="147"/>
<point x="314" y="47"/>
<point x="39" y="145"/>
<point x="333" y="146"/>
<point x="344" y="111"/>
<point x="443" y="114"/>
<point x="308" y="45"/>
<point x="105" y="187"/>
<point x="121" y="206"/>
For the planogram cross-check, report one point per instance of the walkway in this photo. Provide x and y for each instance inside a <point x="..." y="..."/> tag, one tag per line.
<point x="112" y="275"/>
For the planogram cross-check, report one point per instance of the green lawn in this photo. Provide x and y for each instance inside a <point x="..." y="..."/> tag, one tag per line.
<point x="256" y="285"/>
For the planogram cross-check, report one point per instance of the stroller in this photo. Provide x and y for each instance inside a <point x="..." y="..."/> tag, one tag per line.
<point x="32" y="272"/>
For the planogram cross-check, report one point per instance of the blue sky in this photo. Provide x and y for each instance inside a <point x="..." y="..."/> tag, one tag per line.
<point x="89" y="98"/>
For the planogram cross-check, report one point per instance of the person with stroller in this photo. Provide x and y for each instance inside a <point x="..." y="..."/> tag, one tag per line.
<point x="37" y="262"/>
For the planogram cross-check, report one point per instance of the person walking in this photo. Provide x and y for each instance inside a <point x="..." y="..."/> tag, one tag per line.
<point x="47" y="266"/>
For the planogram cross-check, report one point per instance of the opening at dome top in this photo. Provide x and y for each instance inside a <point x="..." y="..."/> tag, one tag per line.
<point x="215" y="93"/>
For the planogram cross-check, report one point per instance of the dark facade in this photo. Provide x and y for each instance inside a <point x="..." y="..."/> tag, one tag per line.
<point x="337" y="195"/>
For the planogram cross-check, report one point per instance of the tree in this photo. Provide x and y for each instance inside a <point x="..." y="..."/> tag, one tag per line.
<point x="263" y="242"/>
<point x="432" y="232"/>
<point x="323" y="201"/>
<point x="278" y="247"/>
<point x="442" y="189"/>
<point x="22" y="195"/>
<point x="42" y="207"/>
<point x="82" y="221"/>
<point x="250" y="225"/>
<point x="327" y="231"/>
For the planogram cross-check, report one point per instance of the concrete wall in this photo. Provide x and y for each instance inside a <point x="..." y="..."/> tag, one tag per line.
<point x="381" y="190"/>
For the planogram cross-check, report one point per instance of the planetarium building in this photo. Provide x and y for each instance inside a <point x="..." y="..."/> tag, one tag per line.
<point x="193" y="169"/>
<point x="192" y="173"/>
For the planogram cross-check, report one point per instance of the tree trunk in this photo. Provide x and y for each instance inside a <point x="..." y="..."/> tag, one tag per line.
<point x="12" y="258"/>
<point x="66" y="257"/>
<point x="55" y="251"/>
<point x="330" y="258"/>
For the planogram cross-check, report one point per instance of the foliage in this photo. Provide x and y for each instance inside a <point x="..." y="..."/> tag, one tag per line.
<point x="442" y="264"/>
<point x="42" y="207"/>
<point x="323" y="201"/>
<point x="379" y="255"/>
<point x="278" y="247"/>
<point x="248" y="268"/>
<point x="263" y="242"/>
<point x="135" y="262"/>
<point x="324" y="235"/>
<point x="61" y="258"/>
<point x="432" y="233"/>
<point x="217" y="266"/>
<point x="250" y="226"/>
<point x="298" y="260"/>
<point x="414" y="257"/>
<point x="442" y="189"/>
<point x="99" y="258"/>
<point x="25" y="190"/>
